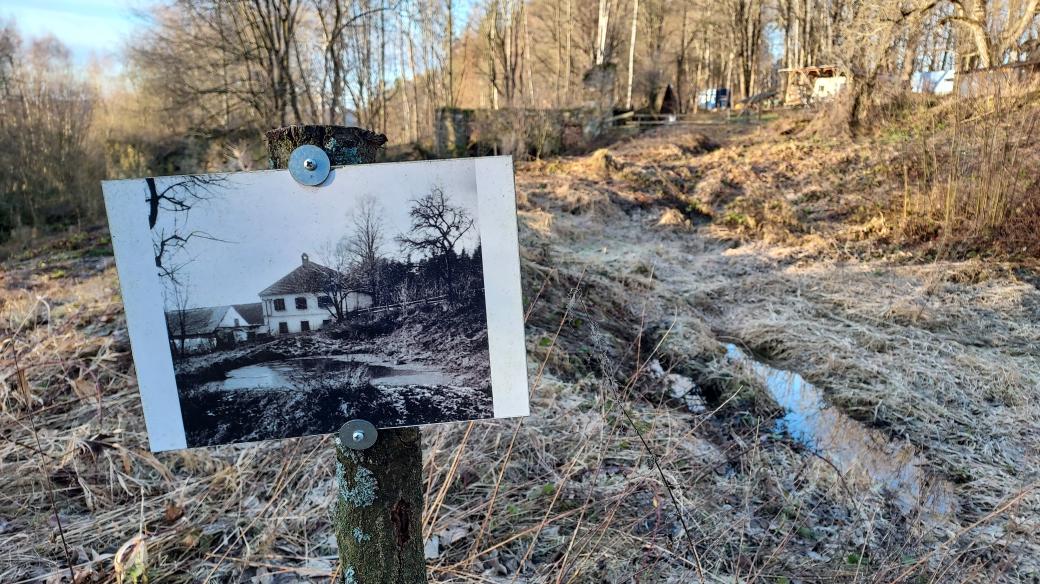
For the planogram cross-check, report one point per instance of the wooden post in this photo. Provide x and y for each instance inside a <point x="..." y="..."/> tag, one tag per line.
<point x="379" y="489"/>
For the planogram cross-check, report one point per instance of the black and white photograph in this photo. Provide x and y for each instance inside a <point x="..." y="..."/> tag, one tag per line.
<point x="287" y="314"/>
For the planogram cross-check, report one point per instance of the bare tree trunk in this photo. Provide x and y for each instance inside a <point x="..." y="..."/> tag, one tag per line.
<point x="558" y="69"/>
<point x="602" y="24"/>
<point x="415" y="87"/>
<point x="527" y="57"/>
<point x="680" y="64"/>
<point x="382" y="65"/>
<point x="378" y="518"/>
<point x="567" y="67"/>
<point x="408" y="107"/>
<point x="450" y="33"/>
<point x="632" y="53"/>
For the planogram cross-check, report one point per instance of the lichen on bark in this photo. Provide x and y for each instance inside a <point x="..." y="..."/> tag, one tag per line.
<point x="379" y="508"/>
<point x="343" y="145"/>
<point x="362" y="492"/>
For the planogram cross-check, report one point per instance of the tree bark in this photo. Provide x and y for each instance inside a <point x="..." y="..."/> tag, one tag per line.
<point x="379" y="510"/>
<point x="343" y="145"/>
<point x="379" y="500"/>
<point x="632" y="55"/>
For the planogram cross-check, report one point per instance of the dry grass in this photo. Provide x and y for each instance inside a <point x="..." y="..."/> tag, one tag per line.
<point x="591" y="508"/>
<point x="949" y="365"/>
<point x="970" y="171"/>
<point x="618" y="476"/>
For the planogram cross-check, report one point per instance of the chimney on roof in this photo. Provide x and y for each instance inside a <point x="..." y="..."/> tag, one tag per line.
<point x="306" y="259"/>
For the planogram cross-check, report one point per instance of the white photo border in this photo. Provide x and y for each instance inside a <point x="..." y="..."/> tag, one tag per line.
<point x="145" y="312"/>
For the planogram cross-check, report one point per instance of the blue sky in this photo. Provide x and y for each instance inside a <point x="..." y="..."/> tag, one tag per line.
<point x="100" y="27"/>
<point x="88" y="27"/>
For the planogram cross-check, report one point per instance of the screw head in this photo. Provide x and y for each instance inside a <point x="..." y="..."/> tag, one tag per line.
<point x="357" y="435"/>
<point x="309" y="165"/>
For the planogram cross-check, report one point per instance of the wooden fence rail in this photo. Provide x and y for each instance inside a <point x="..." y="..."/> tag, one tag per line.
<point x="385" y="307"/>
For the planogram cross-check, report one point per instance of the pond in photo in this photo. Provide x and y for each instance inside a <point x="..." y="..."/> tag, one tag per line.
<point x="281" y="374"/>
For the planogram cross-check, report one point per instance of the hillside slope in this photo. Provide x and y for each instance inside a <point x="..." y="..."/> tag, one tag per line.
<point x="662" y="277"/>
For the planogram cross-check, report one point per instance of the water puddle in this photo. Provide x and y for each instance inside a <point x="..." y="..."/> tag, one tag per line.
<point x="283" y="374"/>
<point x="856" y="450"/>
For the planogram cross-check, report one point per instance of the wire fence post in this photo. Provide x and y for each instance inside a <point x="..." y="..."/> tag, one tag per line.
<point x="379" y="489"/>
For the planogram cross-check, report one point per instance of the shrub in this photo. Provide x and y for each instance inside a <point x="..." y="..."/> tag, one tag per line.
<point x="971" y="169"/>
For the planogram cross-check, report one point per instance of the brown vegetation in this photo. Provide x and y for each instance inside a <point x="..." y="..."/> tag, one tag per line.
<point x="883" y="246"/>
<point x="672" y="470"/>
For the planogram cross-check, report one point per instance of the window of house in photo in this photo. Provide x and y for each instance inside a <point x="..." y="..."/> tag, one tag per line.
<point x="236" y="322"/>
<point x="283" y="327"/>
<point x="326" y="322"/>
<point x="279" y="304"/>
<point x="301" y="303"/>
<point x="305" y="326"/>
<point x="324" y="302"/>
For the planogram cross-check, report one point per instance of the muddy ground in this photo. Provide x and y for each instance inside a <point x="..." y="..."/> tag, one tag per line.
<point x="650" y="456"/>
<point x="758" y="240"/>
<point x="424" y="365"/>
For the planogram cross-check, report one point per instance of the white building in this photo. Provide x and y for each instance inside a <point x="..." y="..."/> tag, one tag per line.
<point x="298" y="302"/>
<point x="934" y="82"/>
<point x="197" y="330"/>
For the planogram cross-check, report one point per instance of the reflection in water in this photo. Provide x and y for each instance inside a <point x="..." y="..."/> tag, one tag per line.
<point x="280" y="374"/>
<point x="848" y="444"/>
<point x="266" y="376"/>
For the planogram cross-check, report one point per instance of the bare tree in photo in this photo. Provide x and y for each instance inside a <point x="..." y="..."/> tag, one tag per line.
<point x="177" y="198"/>
<point x="338" y="278"/>
<point x="363" y="248"/>
<point x="437" y="227"/>
<point x="338" y="286"/>
<point x="176" y="296"/>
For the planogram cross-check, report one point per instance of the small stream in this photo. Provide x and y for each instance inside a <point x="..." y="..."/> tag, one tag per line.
<point x="852" y="447"/>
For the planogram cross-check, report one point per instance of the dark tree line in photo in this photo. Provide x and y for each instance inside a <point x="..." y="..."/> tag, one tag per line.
<point x="435" y="264"/>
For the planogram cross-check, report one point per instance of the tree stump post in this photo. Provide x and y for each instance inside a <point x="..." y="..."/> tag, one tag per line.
<point x="379" y="490"/>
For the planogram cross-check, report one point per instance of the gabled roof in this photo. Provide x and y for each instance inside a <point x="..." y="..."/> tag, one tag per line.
<point x="253" y="313"/>
<point x="310" y="277"/>
<point x="195" y="321"/>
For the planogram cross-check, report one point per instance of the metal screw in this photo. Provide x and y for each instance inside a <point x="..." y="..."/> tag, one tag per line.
<point x="358" y="436"/>
<point x="310" y="164"/>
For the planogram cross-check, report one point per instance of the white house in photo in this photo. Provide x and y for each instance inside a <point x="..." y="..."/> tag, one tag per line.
<point x="253" y="313"/>
<point x="196" y="330"/>
<point x="297" y="301"/>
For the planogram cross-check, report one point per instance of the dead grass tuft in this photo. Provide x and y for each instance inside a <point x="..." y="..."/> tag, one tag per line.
<point x="600" y="165"/>
<point x="673" y="218"/>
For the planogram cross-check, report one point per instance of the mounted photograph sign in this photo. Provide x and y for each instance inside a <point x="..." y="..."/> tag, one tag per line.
<point x="262" y="307"/>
